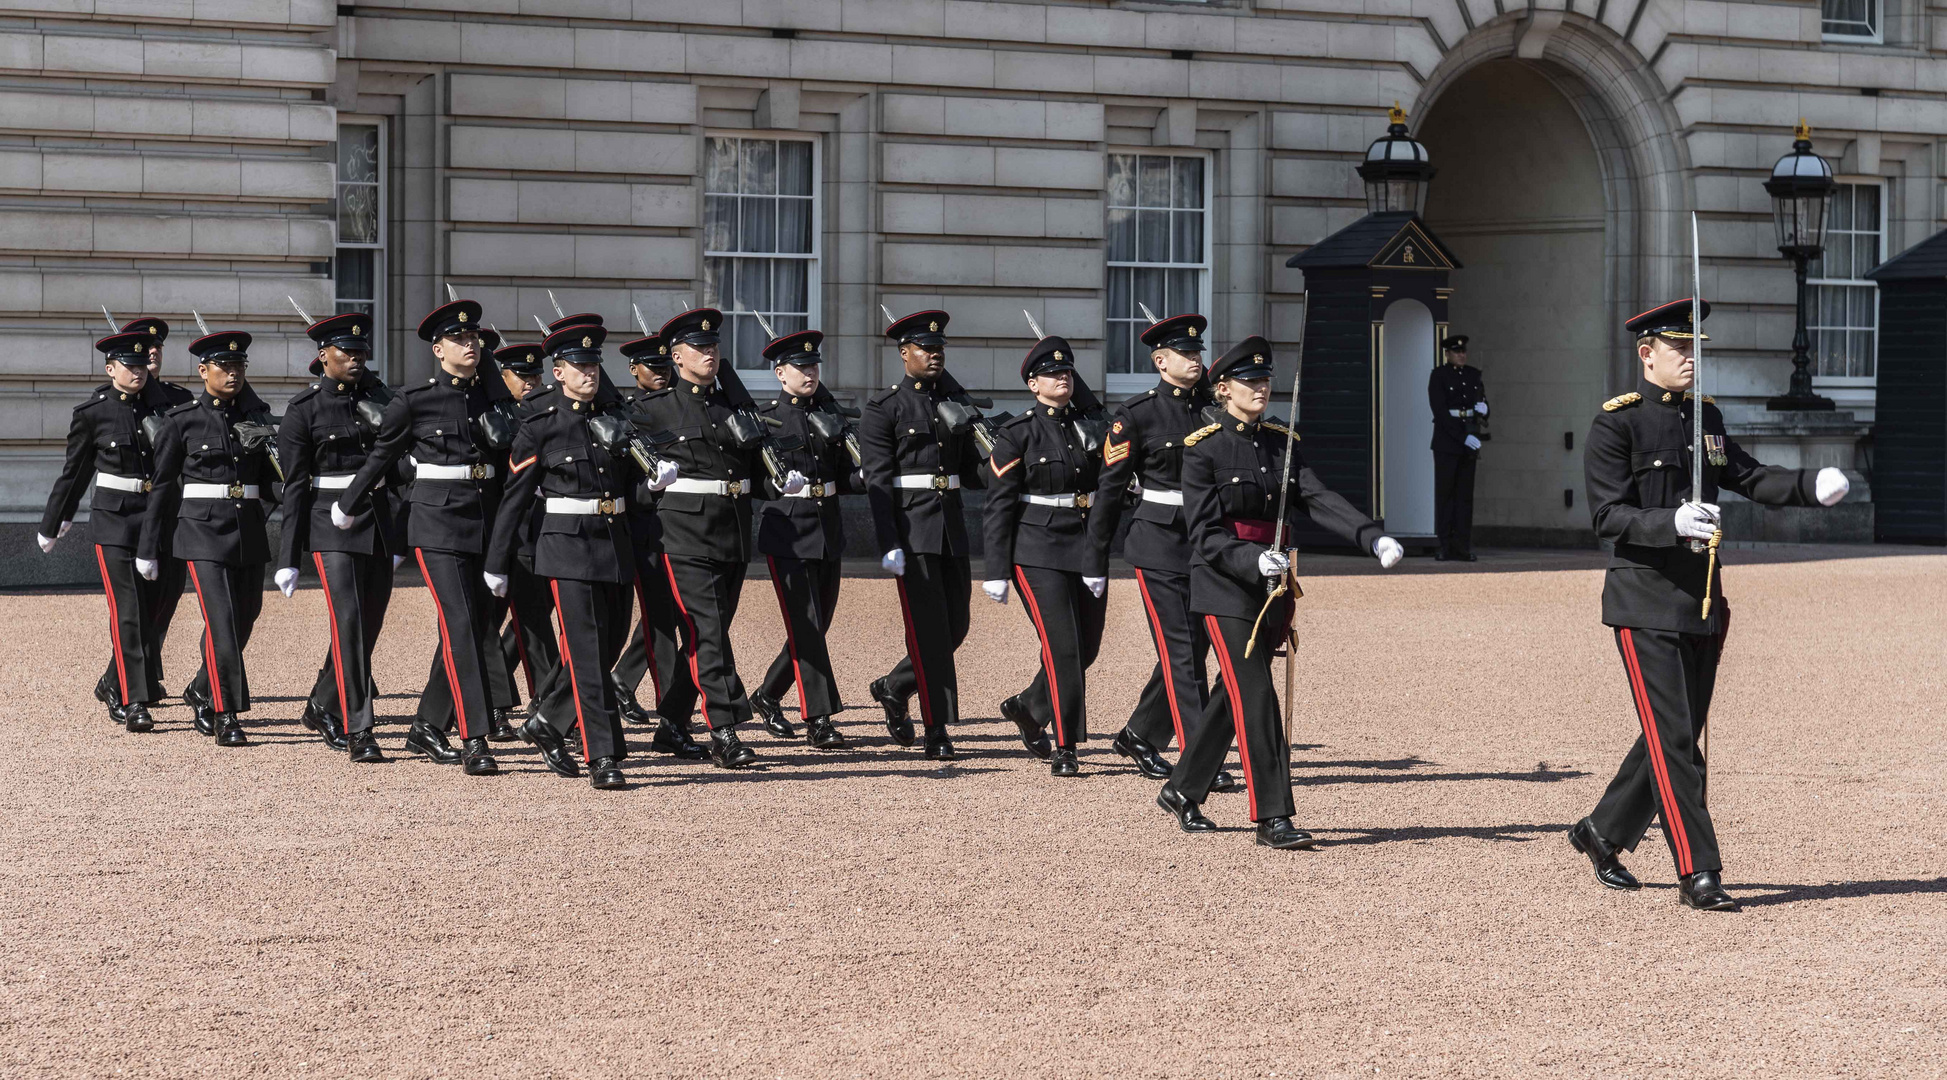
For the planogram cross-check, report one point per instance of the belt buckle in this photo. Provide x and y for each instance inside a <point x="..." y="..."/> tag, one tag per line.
<point x="939" y="483"/>
<point x="818" y="490"/>
<point x="147" y="486"/>
<point x="235" y="491"/>
<point x="733" y="487"/>
<point x="1081" y="502"/>
<point x="605" y="506"/>
<point x="477" y="472"/>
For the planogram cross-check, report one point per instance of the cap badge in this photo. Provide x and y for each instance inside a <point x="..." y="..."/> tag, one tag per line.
<point x="154" y="330"/>
<point x="933" y="326"/>
<point x="706" y="324"/>
<point x="587" y="342"/>
<point x="1258" y="359"/>
<point x="1193" y="331"/>
<point x="807" y="346"/>
<point x="662" y="350"/>
<point x="356" y="332"/>
<point x="232" y="346"/>
<point x="1057" y="354"/>
<point x="462" y="316"/>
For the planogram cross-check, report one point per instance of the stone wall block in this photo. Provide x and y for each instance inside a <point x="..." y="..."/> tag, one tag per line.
<point x="629" y="152"/>
<point x="493" y="254"/>
<point x="1048" y="268"/>
<point x="503" y="95"/>
<point x="995" y="118"/>
<point x="170" y="174"/>
<point x="484" y="200"/>
<point x="1043" y="72"/>
<point x="912" y="212"/>
<point x="920" y="163"/>
<point x="282" y="179"/>
<point x="925" y="65"/>
<point x="937" y="264"/>
<point x="665" y="205"/>
<point x="650" y="257"/>
<point x="1024" y="167"/>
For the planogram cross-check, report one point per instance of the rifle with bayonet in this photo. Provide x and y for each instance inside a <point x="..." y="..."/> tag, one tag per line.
<point x="961" y="412"/>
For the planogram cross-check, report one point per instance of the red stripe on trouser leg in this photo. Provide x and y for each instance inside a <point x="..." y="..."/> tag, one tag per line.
<point x="445" y="642"/>
<point x="114" y="624"/>
<point x="912" y="652"/>
<point x="648" y="637"/>
<point x="1236" y="708"/>
<point x="689" y="641"/>
<point x="790" y="638"/>
<point x="1062" y="737"/>
<point x="568" y="660"/>
<point x="337" y="653"/>
<point x="1659" y="767"/>
<point x="1162" y="656"/>
<point x="209" y="644"/>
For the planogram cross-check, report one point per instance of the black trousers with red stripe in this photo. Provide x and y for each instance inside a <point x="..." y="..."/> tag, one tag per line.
<point x="1068" y="620"/>
<point x="1171" y="703"/>
<point x="358" y="589"/>
<point x="134" y="625"/>
<point x="1243" y="705"/>
<point x="706" y="592"/>
<point x="230" y="597"/>
<point x="1671" y="679"/>
<point x="935" y="594"/>
<point x="526" y="643"/>
<point x="594" y="617"/>
<point x="656" y="648"/>
<point x="457" y="691"/>
<point x="807" y="593"/>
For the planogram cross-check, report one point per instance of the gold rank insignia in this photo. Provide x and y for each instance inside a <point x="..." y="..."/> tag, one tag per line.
<point x="1113" y="451"/>
<point x="1621" y="401"/>
<point x="1002" y="470"/>
<point x="587" y="342"/>
<point x="1116" y="428"/>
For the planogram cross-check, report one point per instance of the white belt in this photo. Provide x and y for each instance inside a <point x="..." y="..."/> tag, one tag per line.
<point x="926" y="480"/>
<point x="1160" y="495"/>
<point x="709" y="487"/>
<point x="813" y="490"/>
<point x="220" y="491"/>
<point x="1078" y="502"/>
<point x="121" y="483"/>
<point x="340" y="481"/>
<point x="557" y="505"/>
<point x="1459" y="412"/>
<point x="453" y="472"/>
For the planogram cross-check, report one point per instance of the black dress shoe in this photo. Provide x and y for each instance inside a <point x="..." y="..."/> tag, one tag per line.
<point x="899" y="723"/>
<point x="938" y="746"/>
<point x="364" y="748"/>
<point x="477" y="759"/>
<point x="625" y="701"/>
<point x="1279" y="832"/>
<point x="1608" y="868"/>
<point x="204" y="720"/>
<point x="727" y="751"/>
<point x="325" y="725"/>
<point x="431" y="742"/>
<point x="773" y="716"/>
<point x="1137" y="749"/>
<point x="673" y="737"/>
<point x="822" y="734"/>
<point x="1440" y="556"/>
<point x="554" y="749"/>
<point x="1063" y="763"/>
<point x="105" y="693"/>
<point x="606" y="773"/>
<point x="1015" y="711"/>
<point x="229" y="730"/>
<point x="1470" y="557"/>
<point x="1702" y="891"/>
<point x="1224" y="782"/>
<point x="136" y="718"/>
<point x="1188" y="817"/>
<point x="498" y="729"/>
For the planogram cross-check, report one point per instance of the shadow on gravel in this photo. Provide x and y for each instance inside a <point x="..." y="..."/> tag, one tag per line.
<point x="1836" y="890"/>
<point x="1519" y="834"/>
<point x="1535" y="776"/>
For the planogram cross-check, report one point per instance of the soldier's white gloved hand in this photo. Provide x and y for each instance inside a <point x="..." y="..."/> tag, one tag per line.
<point x="995" y="590"/>
<point x="665" y="475"/>
<point x="340" y="518"/>
<point x="1389" y="551"/>
<point x="1480" y="407"/>
<point x="63" y="530"/>
<point x="147" y="568"/>
<point x="496" y="583"/>
<point x="1473" y="443"/>
<point x="794" y="482"/>
<point x="1696" y="521"/>
<point x="895" y="561"/>
<point x="1272" y="563"/>
<point x="1136" y="486"/>
<point x="396" y="560"/>
<point x="46" y="543"/>
<point x="1832" y="486"/>
<point x="1096" y="585"/>
<point x="286" y="580"/>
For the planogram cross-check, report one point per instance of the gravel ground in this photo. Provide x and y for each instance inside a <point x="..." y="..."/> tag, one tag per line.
<point x="173" y="909"/>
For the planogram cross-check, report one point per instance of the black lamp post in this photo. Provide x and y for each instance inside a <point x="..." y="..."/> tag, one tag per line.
<point x="1800" y="187"/>
<point x="1396" y="170"/>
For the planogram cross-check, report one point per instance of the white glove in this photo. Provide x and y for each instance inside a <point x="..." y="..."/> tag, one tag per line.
<point x="286" y="580"/>
<point x="1096" y="585"/>
<point x="496" y="583"/>
<point x="1696" y="521"/>
<point x="46" y="543"/>
<point x="895" y="561"/>
<point x="995" y="590"/>
<point x="1480" y="407"/>
<point x="147" y="568"/>
<point x="1832" y="486"/>
<point x="1389" y="552"/>
<point x="665" y="475"/>
<point x="63" y="531"/>
<point x="794" y="482"/>
<point x="1272" y="563"/>
<point x="340" y="518"/>
<point x="396" y="560"/>
<point x="1136" y="486"/>
<point x="1473" y="443"/>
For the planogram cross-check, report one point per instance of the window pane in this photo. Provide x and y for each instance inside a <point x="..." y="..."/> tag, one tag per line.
<point x="1120" y="359"/>
<point x="1121" y="304"/>
<point x="753" y="284"/>
<point x="353" y="272"/>
<point x="758" y="172"/>
<point x="1149" y="290"/>
<point x="358" y="154"/>
<point x="794" y="225"/>
<point x="792" y="280"/>
<point x="720" y="165"/>
<point x="794" y="168"/>
<point x="358" y="213"/>
<point x="747" y="342"/>
<point x="1189" y="183"/>
<point x="719" y="223"/>
<point x="759" y="225"/>
<point x="719" y="277"/>
<point x="1122" y="236"/>
<point x="1153" y="236"/>
<point x="1122" y="180"/>
<point x="1184" y="293"/>
<point x="789" y="324"/>
<point x="1153" y="185"/>
<point x="1186" y="241"/>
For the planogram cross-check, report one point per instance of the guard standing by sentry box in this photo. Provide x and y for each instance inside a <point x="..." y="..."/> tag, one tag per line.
<point x="1458" y="399"/>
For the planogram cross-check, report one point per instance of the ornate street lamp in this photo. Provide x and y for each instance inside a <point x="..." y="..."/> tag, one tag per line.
<point x="1396" y="170"/>
<point x="1800" y="187"/>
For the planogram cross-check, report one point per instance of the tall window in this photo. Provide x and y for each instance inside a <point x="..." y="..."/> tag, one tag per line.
<point x="1158" y="252"/>
<point x="1851" y="20"/>
<point x="358" y="266"/>
<point x="760" y="238"/>
<point x="1843" y="308"/>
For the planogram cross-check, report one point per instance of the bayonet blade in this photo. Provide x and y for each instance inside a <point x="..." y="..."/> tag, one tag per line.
<point x="641" y="323"/>
<point x="1148" y="314"/>
<point x="300" y="311"/>
<point x="543" y="327"/>
<point x="113" y="327"/>
<point x="558" y="313"/>
<point x="887" y="312"/>
<point x="452" y="293"/>
<point x="201" y="326"/>
<point x="1032" y="325"/>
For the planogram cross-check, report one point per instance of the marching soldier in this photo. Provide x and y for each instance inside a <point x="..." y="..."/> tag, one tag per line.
<point x="1660" y="596"/>
<point x="525" y="642"/>
<point x="1231" y="478"/>
<point x="109" y="441"/>
<point x="212" y="474"/>
<point x="327" y="431"/>
<point x="451" y="427"/>
<point x="1459" y="402"/>
<point x="1037" y="534"/>
<point x="802" y="537"/>
<point x="705" y="516"/>
<point x="914" y="467"/>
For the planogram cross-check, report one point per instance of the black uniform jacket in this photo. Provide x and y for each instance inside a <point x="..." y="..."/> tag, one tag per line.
<point x="809" y="527"/>
<point x="1038" y="453"/>
<point x="105" y="436"/>
<point x="645" y="525"/>
<point x="1637" y="469"/>
<point x="1145" y="443"/>
<point x="898" y="435"/>
<point x="1447" y="389"/>
<point x="1230" y="492"/>
<point x="697" y="524"/>
<point x="198" y="445"/>
<point x="320" y="436"/>
<point x="554" y="456"/>
<point x="433" y="422"/>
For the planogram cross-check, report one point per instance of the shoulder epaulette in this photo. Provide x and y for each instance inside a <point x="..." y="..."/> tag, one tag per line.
<point x="885" y="394"/>
<point x="1201" y="434"/>
<point x="417" y="387"/>
<point x="1621" y="401"/>
<point x="308" y="392"/>
<point x="187" y="406"/>
<point x="1019" y="418"/>
<point x="1277" y="425"/>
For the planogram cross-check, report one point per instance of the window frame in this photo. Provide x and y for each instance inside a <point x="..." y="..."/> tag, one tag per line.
<point x="1867" y="382"/>
<point x="380" y="250"/>
<point x="761" y="379"/>
<point x="1122" y="383"/>
<point x="1877" y="37"/>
